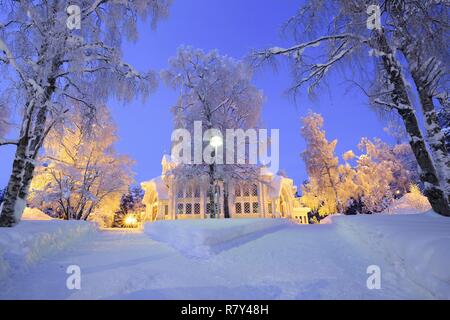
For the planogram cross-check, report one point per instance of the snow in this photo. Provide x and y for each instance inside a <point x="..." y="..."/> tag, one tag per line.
<point x="202" y="238"/>
<point x="157" y="184"/>
<point x="19" y="206"/>
<point x="416" y="244"/>
<point x="30" y="241"/>
<point x="409" y="204"/>
<point x="34" y="214"/>
<point x="241" y="259"/>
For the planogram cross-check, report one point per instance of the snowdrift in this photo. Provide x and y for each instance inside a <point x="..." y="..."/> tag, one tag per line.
<point x="416" y="244"/>
<point x="203" y="238"/>
<point x="30" y="241"/>
<point x="409" y="204"/>
<point x="35" y="214"/>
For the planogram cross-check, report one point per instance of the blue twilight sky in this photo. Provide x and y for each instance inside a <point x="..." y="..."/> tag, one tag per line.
<point x="234" y="27"/>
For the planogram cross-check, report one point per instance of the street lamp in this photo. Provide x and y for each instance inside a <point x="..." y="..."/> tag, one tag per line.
<point x="215" y="142"/>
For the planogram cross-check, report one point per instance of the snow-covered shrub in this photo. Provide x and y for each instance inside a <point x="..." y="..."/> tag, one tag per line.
<point x="416" y="199"/>
<point x="412" y="202"/>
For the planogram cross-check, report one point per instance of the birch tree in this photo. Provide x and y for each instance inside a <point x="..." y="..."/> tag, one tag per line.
<point x="59" y="54"/>
<point x="4" y="123"/>
<point x="217" y="91"/>
<point x="336" y="33"/>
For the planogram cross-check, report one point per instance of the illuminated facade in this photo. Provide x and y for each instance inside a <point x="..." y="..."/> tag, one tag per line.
<point x="273" y="196"/>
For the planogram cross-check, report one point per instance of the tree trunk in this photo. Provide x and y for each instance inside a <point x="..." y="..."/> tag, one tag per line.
<point x="424" y="71"/>
<point x="26" y="154"/>
<point x="22" y="172"/>
<point x="15" y="196"/>
<point x="428" y="172"/>
<point x="435" y="135"/>
<point x="226" y="207"/>
<point x="212" y="202"/>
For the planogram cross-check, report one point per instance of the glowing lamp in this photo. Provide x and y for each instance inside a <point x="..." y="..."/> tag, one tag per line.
<point x="216" y="141"/>
<point x="130" y="220"/>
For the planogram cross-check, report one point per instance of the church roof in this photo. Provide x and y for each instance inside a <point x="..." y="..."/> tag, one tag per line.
<point x="158" y="185"/>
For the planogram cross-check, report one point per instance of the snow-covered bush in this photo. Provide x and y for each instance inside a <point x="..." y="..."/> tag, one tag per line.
<point x="412" y="202"/>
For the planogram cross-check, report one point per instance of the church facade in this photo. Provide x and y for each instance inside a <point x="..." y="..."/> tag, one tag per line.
<point x="270" y="196"/>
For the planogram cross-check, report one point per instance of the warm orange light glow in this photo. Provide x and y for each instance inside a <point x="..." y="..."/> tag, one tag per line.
<point x="130" y="220"/>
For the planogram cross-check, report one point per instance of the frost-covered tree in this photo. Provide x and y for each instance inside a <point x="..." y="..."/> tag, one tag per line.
<point x="321" y="166"/>
<point x="444" y="120"/>
<point x="217" y="91"/>
<point x="59" y="54"/>
<point x="2" y="195"/>
<point x="81" y="171"/>
<point x="369" y="185"/>
<point x="4" y="123"/>
<point x="362" y="32"/>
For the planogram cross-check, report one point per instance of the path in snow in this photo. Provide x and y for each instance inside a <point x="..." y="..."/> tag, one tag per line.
<point x="286" y="264"/>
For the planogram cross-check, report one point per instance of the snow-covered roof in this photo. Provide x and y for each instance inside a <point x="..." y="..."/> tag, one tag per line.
<point x="275" y="186"/>
<point x="276" y="182"/>
<point x="264" y="171"/>
<point x="158" y="185"/>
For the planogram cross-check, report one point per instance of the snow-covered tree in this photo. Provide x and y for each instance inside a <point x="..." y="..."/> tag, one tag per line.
<point x="321" y="166"/>
<point x="330" y="33"/>
<point x="217" y="91"/>
<point x="444" y="120"/>
<point x="2" y="195"/>
<point x="81" y="171"/>
<point x="59" y="54"/>
<point x="4" y="123"/>
<point x="379" y="174"/>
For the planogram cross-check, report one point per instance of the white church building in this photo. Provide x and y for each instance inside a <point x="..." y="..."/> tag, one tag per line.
<point x="272" y="196"/>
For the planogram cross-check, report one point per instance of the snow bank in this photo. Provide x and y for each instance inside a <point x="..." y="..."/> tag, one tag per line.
<point x="410" y="203"/>
<point x="329" y="219"/>
<point x="203" y="238"/>
<point x="30" y="241"/>
<point x="35" y="214"/>
<point x="416" y="244"/>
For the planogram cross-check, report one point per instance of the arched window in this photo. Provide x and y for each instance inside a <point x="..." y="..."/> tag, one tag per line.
<point x="246" y="200"/>
<point x="254" y="190"/>
<point x="246" y="191"/>
<point x="237" y="190"/>
<point x="197" y="192"/>
<point x="189" y="192"/>
<point x="188" y="199"/>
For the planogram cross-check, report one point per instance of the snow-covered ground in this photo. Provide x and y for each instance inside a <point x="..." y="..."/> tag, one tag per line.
<point x="279" y="261"/>
<point x="417" y="245"/>
<point x="26" y="244"/>
<point x="203" y="238"/>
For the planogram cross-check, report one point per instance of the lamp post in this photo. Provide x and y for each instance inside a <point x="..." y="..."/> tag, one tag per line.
<point x="215" y="142"/>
